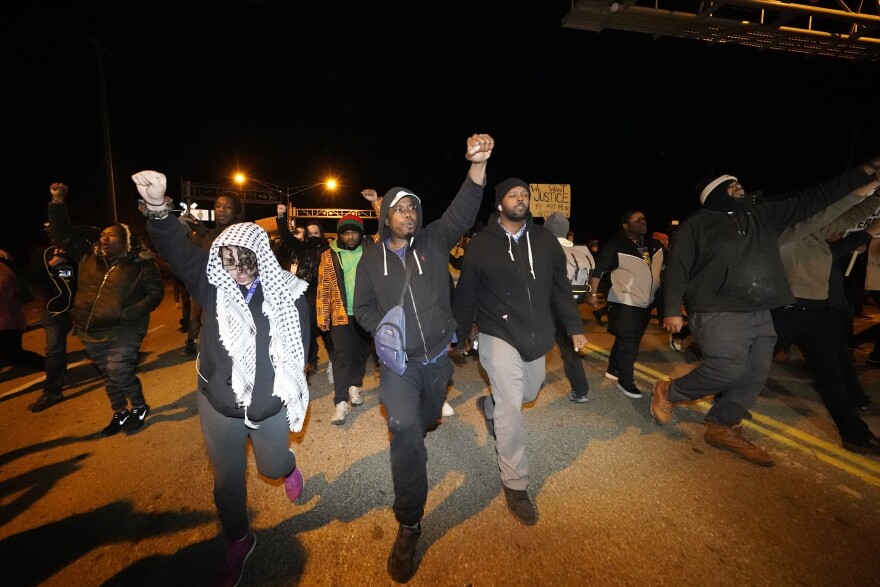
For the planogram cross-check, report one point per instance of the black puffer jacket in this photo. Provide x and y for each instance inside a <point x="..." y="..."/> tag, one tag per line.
<point x="113" y="300"/>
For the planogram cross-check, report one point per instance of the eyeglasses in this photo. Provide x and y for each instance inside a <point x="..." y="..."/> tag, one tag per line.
<point x="229" y="263"/>
<point x="402" y="209"/>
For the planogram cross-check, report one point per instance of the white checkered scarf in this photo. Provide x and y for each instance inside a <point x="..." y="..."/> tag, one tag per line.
<point x="238" y="332"/>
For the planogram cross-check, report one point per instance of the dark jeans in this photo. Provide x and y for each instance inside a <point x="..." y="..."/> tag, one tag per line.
<point x="351" y="345"/>
<point x="117" y="361"/>
<point x="12" y="353"/>
<point x="843" y="319"/>
<point x="226" y="443"/>
<point x="56" y="329"/>
<point x="413" y="404"/>
<point x="571" y="360"/>
<point x="819" y="338"/>
<point x="627" y="324"/>
<point x="737" y="352"/>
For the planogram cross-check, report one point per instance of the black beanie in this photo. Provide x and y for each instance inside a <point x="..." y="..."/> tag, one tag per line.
<point x="505" y="186"/>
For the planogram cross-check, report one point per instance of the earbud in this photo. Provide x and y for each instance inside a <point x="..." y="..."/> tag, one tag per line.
<point x="499" y="207"/>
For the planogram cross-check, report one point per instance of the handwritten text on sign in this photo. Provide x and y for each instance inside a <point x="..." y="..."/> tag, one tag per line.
<point x="550" y="197"/>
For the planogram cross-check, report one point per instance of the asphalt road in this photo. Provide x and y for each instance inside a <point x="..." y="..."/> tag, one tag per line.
<point x="621" y="501"/>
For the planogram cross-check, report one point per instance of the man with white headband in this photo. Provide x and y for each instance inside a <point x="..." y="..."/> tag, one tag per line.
<point x="726" y="268"/>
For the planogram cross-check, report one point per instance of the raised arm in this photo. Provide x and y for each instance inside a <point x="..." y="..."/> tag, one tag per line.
<point x="290" y="241"/>
<point x="60" y="230"/>
<point x="462" y="212"/>
<point x="186" y="259"/>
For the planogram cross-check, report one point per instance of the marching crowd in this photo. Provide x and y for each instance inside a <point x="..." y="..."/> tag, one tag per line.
<point x="753" y="279"/>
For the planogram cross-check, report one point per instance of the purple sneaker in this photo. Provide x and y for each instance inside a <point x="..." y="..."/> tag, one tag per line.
<point x="237" y="554"/>
<point x="293" y="484"/>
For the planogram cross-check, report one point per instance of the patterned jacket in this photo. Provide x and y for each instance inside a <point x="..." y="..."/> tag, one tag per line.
<point x="330" y="305"/>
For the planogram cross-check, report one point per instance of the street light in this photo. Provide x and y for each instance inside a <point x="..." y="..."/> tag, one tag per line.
<point x="286" y="191"/>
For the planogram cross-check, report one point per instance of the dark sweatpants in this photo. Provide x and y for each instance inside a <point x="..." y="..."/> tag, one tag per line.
<point x="226" y="442"/>
<point x="737" y="352"/>
<point x="571" y="360"/>
<point x="627" y="324"/>
<point x="820" y="340"/>
<point x="413" y="403"/>
<point x="351" y="345"/>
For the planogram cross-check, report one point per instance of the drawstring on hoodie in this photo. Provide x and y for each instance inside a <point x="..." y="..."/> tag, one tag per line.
<point x="531" y="264"/>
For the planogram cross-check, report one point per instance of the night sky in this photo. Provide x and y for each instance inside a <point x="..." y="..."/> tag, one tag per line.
<point x="383" y="94"/>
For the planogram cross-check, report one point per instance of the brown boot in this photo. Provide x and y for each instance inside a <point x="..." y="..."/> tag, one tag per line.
<point x="661" y="407"/>
<point x="730" y="438"/>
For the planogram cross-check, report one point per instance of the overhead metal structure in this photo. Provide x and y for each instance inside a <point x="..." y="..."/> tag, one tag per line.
<point x="845" y="29"/>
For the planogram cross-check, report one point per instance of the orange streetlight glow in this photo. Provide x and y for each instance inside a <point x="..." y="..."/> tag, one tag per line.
<point x="239" y="178"/>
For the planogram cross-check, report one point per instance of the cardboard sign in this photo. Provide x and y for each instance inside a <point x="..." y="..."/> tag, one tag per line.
<point x="550" y="197"/>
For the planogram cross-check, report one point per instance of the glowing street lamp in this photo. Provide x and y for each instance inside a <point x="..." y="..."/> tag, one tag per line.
<point x="286" y="191"/>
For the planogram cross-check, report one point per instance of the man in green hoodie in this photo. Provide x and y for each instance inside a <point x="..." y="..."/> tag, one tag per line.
<point x="334" y="307"/>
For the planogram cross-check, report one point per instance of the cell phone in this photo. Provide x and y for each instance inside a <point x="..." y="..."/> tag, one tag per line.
<point x="64" y="272"/>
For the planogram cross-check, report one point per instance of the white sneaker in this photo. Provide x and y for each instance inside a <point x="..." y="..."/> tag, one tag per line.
<point x="447" y="410"/>
<point x="342" y="410"/>
<point x="330" y="373"/>
<point x="354" y="395"/>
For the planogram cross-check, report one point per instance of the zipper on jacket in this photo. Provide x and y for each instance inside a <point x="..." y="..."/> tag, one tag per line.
<point x="418" y="322"/>
<point x="97" y="297"/>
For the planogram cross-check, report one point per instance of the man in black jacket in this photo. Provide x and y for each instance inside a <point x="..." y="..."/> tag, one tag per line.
<point x="512" y="280"/>
<point x="413" y="401"/>
<point x="726" y="268"/>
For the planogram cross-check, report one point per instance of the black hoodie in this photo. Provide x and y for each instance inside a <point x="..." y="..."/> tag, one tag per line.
<point x="380" y="275"/>
<point x="726" y="259"/>
<point x="508" y="288"/>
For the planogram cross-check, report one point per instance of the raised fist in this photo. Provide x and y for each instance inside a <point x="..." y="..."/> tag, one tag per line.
<point x="151" y="185"/>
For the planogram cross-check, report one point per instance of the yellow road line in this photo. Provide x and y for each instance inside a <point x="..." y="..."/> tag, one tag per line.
<point x="651" y="375"/>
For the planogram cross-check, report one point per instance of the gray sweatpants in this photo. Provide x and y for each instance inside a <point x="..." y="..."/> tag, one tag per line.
<point x="737" y="352"/>
<point x="226" y="442"/>
<point x="514" y="382"/>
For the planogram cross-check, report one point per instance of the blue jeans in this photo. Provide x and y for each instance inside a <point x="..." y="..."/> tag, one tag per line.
<point x="56" y="329"/>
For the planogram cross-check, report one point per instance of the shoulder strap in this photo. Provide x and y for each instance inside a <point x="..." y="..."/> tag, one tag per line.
<point x="408" y="274"/>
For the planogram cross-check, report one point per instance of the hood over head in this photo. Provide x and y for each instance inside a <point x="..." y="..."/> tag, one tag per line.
<point x="391" y="198"/>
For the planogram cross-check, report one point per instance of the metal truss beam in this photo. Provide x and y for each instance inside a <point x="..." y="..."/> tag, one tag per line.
<point x="829" y="27"/>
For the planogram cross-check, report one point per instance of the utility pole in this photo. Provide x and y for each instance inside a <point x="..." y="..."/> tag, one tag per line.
<point x="105" y="129"/>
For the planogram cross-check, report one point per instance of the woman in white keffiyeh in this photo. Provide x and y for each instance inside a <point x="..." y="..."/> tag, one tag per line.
<point x="245" y="248"/>
<point x="251" y="364"/>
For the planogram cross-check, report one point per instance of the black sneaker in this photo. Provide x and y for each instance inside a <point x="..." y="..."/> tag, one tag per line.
<point x="190" y="347"/>
<point x="490" y="424"/>
<point x="47" y="400"/>
<point x="401" y="561"/>
<point x="629" y="390"/>
<point x="116" y="423"/>
<point x="868" y="447"/>
<point x="136" y="421"/>
<point x="578" y="399"/>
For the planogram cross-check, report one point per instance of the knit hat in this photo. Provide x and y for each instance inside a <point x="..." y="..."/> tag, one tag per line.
<point x="557" y="223"/>
<point x="508" y="184"/>
<point x="719" y="185"/>
<point x="350" y="222"/>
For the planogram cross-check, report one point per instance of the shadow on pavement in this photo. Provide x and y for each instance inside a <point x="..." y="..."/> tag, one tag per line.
<point x="33" y="556"/>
